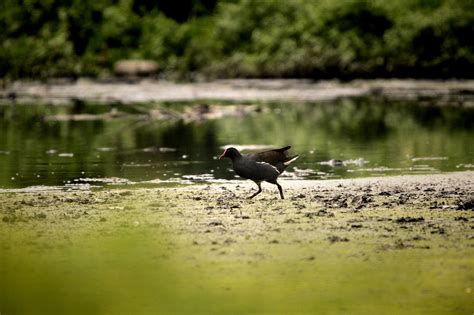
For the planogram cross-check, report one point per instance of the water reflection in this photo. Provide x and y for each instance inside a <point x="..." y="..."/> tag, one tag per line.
<point x="390" y="138"/>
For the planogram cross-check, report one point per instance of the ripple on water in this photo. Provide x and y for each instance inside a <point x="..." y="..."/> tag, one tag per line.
<point x="465" y="166"/>
<point x="422" y="167"/>
<point x="429" y="158"/>
<point x="136" y="165"/>
<point x="158" y="149"/>
<point x="66" y="154"/>
<point x="104" y="180"/>
<point x="105" y="149"/>
<point x="45" y="188"/>
<point x="199" y="177"/>
<point x="380" y="169"/>
<point x="335" y="163"/>
<point x="402" y="170"/>
<point x="298" y="173"/>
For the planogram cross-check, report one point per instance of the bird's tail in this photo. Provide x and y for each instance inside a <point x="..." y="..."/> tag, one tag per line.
<point x="291" y="159"/>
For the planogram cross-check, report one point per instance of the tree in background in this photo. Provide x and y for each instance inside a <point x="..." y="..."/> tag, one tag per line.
<point x="271" y="38"/>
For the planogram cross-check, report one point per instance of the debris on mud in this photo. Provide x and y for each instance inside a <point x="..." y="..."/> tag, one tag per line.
<point x="467" y="204"/>
<point x="215" y="223"/>
<point x="399" y="244"/>
<point x="409" y="220"/>
<point x="335" y="239"/>
<point x="320" y="213"/>
<point x="361" y="201"/>
<point x="9" y="219"/>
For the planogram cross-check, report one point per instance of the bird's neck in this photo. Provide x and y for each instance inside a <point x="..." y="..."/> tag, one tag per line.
<point x="236" y="157"/>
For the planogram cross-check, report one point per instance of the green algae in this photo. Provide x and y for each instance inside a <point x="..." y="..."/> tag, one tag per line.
<point x="201" y="250"/>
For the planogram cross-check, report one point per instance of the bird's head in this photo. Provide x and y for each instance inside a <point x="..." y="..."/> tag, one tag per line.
<point x="231" y="153"/>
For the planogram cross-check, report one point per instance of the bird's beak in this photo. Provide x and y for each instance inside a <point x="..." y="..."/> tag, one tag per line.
<point x="222" y="155"/>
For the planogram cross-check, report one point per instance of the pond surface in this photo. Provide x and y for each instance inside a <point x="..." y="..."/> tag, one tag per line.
<point x="344" y="139"/>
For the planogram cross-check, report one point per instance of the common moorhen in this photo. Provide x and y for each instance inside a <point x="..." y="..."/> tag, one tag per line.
<point x="259" y="167"/>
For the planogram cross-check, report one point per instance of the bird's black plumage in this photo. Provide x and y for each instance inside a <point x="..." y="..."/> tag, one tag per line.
<point x="262" y="166"/>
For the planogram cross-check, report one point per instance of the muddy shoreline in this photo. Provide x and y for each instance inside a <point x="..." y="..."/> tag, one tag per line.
<point x="401" y="244"/>
<point x="250" y="90"/>
<point x="440" y="204"/>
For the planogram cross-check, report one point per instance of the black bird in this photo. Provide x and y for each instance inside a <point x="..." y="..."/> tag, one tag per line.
<point x="260" y="167"/>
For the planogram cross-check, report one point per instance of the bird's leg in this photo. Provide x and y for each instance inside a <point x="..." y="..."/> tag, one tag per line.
<point x="280" y="189"/>
<point x="259" y="190"/>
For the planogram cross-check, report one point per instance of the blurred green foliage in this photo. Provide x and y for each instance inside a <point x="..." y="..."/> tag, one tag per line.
<point x="271" y="38"/>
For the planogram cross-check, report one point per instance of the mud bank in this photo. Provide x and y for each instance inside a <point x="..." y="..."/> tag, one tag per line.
<point x="380" y="245"/>
<point x="144" y="91"/>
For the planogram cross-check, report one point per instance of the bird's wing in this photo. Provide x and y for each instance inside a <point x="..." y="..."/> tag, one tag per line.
<point x="273" y="157"/>
<point x="269" y="166"/>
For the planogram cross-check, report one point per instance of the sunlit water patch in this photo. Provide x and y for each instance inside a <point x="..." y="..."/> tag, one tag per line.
<point x="344" y="139"/>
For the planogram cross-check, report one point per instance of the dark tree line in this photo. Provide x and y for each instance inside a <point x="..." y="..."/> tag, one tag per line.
<point x="239" y="38"/>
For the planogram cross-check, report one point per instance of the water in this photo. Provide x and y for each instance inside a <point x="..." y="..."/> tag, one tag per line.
<point x="343" y="139"/>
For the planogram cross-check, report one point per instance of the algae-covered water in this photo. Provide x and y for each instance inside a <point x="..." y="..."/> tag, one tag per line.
<point x="341" y="139"/>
